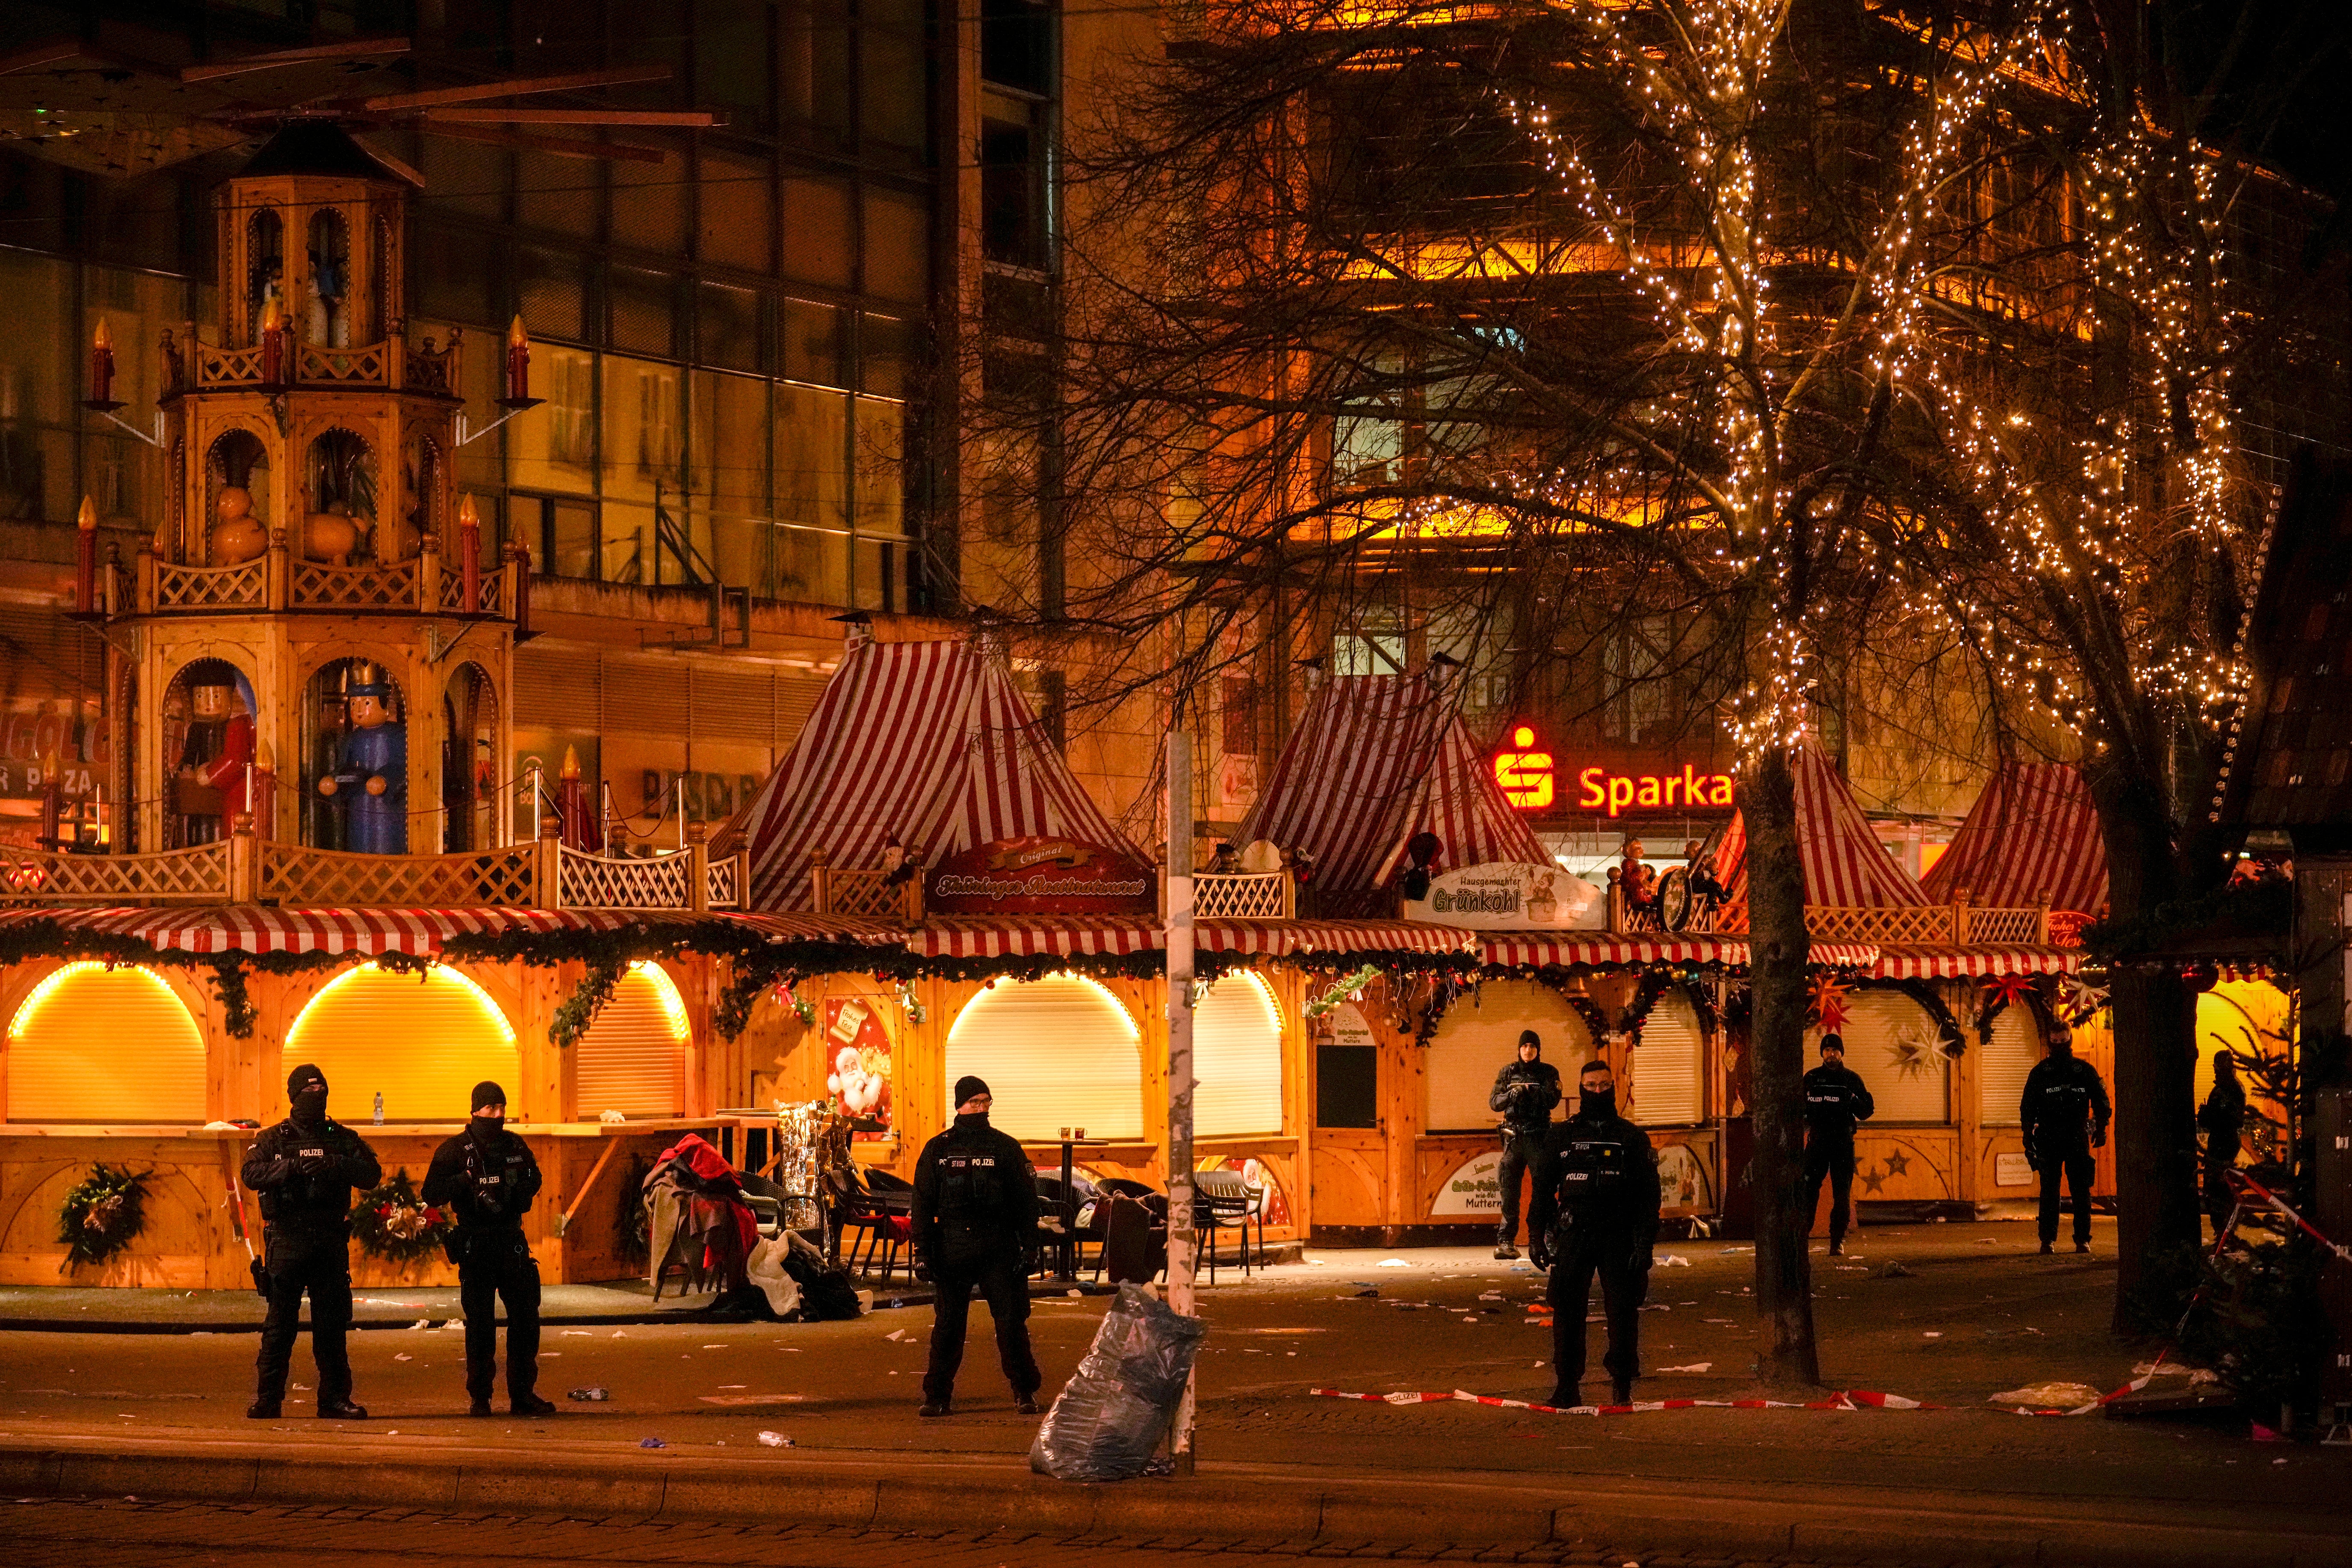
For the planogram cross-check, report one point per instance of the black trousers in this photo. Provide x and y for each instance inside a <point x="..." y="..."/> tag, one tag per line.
<point x="499" y="1266"/>
<point x="2220" y="1158"/>
<point x="2072" y="1161"/>
<point x="1002" y="1282"/>
<point x="1523" y="1157"/>
<point x="323" y="1266"/>
<point x="1833" y="1158"/>
<point x="1623" y="1288"/>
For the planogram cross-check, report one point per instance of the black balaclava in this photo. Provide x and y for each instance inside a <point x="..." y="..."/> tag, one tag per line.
<point x="306" y="1094"/>
<point x="487" y="1093"/>
<point x="1589" y="1103"/>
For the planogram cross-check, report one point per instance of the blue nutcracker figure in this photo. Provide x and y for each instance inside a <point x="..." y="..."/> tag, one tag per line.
<point x="371" y="771"/>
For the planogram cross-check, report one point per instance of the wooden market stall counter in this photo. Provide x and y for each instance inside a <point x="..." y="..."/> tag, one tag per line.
<point x="580" y="1228"/>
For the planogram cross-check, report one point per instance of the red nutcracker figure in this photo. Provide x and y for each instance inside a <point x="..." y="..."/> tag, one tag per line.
<point x="214" y="781"/>
<point x="273" y="342"/>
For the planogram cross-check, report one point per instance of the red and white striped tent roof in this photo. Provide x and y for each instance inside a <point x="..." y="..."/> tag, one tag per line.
<point x="1374" y="760"/>
<point x="1895" y="963"/>
<point x="1509" y="949"/>
<point x="1845" y="866"/>
<point x="253" y="928"/>
<point x="2033" y="832"/>
<point x="929" y="740"/>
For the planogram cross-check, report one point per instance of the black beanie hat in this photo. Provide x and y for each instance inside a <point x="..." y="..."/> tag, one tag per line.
<point x="968" y="1087"/>
<point x="1833" y="1042"/>
<point x="300" y="1076"/>
<point x="1529" y="1037"/>
<point x="487" y="1093"/>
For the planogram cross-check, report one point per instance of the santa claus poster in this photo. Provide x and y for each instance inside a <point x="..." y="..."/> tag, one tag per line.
<point x="858" y="1071"/>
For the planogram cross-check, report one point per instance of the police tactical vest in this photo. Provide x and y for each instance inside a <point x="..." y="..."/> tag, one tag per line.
<point x="489" y="1177"/>
<point x="971" y="1191"/>
<point x="1590" y="1168"/>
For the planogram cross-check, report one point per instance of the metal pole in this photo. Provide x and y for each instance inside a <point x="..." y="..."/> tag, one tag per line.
<point x="1182" y="1238"/>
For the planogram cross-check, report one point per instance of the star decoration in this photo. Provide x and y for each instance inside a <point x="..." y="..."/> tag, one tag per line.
<point x="1914" y="1048"/>
<point x="1873" y="1180"/>
<point x="1897" y="1163"/>
<point x="1828" y="1003"/>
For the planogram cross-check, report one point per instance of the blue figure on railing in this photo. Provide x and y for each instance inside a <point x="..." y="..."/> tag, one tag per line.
<point x="371" y="776"/>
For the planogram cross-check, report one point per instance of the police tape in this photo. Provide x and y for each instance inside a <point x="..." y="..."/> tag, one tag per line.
<point x="1848" y="1399"/>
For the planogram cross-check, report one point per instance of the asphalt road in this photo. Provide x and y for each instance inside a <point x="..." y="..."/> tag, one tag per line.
<point x="1970" y="1312"/>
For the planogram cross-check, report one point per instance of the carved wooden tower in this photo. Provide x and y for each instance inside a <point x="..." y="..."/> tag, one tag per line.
<point x="315" y="606"/>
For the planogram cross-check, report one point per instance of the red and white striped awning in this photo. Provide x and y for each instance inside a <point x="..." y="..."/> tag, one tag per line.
<point x="2033" y="833"/>
<point x="1601" y="950"/>
<point x="929" y="740"/>
<point x="1967" y="962"/>
<point x="1844" y="864"/>
<point x="1030" y="936"/>
<point x="1374" y="760"/>
<point x="254" y="928"/>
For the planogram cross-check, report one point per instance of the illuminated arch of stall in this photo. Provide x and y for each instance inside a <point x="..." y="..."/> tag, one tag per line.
<point x="95" y="1044"/>
<point x="633" y="1057"/>
<point x="1236" y="1059"/>
<point x="1058" y="1051"/>
<point x="421" y="1041"/>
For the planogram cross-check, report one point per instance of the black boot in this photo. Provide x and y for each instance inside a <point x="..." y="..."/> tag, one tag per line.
<point x="342" y="1410"/>
<point x="1621" y="1391"/>
<point x="1566" y="1397"/>
<point x="264" y="1410"/>
<point x="530" y="1404"/>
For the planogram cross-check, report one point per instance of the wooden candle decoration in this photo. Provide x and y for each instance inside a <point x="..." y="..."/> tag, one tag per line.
<point x="85" y="558"/>
<point x="517" y="363"/>
<point x="101" y="365"/>
<point x="470" y="556"/>
<point x="273" y="342"/>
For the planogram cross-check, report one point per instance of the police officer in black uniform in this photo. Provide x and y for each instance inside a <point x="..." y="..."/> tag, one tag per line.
<point x="1835" y="1098"/>
<point x="975" y="1224"/>
<point x="1525" y="1092"/>
<point x="2065" y="1110"/>
<point x="1598" y="1213"/>
<point x="488" y="1176"/>
<point x="304" y="1169"/>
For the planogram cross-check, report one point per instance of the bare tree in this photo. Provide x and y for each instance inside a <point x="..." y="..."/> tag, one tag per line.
<point x="1536" y="318"/>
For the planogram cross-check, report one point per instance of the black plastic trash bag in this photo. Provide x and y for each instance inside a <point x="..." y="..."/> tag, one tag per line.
<point x="1109" y="1418"/>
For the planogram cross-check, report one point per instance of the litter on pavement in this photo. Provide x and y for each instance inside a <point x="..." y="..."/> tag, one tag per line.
<point x="775" y="1440"/>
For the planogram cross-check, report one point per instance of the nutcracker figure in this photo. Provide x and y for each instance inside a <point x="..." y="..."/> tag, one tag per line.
<point x="370" y="772"/>
<point x="211" y="786"/>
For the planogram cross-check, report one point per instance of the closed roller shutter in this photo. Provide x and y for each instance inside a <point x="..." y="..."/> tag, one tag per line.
<point x="557" y="687"/>
<point x="633" y="1057"/>
<point x="1473" y="1043"/>
<point x="1669" y="1066"/>
<point x="795" y="700"/>
<point x="423" y="1042"/>
<point x="92" y="1044"/>
<point x="1236" y="1059"/>
<point x="644" y="697"/>
<point x="2002" y="1064"/>
<point x="1057" y="1052"/>
<point x="1892" y="1041"/>
<point x="737" y="705"/>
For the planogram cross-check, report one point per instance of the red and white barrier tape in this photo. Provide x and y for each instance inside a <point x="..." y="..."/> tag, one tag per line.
<point x="1849" y="1399"/>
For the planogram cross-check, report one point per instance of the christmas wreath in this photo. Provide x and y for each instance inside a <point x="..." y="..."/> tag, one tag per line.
<point x="392" y="1223"/>
<point x="103" y="1214"/>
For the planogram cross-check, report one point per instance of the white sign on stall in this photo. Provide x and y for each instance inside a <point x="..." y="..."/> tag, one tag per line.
<point x="1474" y="1188"/>
<point x="1509" y="896"/>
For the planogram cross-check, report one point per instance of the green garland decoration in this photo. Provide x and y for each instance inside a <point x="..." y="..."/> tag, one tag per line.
<point x="1347" y="986"/>
<point x="104" y="1213"/>
<point x="579" y="1010"/>
<point x="392" y="1221"/>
